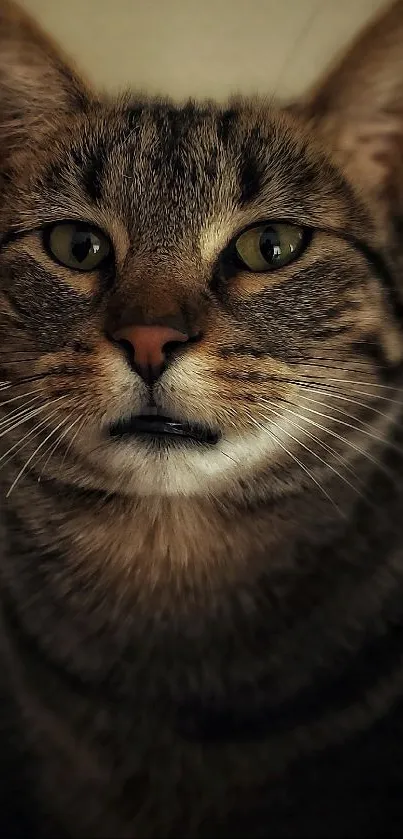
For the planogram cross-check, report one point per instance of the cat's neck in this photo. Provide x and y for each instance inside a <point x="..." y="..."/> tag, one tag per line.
<point x="94" y="566"/>
<point x="152" y="541"/>
<point x="193" y="596"/>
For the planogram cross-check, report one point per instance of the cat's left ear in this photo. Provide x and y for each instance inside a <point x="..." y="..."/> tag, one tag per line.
<point x="37" y="84"/>
<point x="358" y="110"/>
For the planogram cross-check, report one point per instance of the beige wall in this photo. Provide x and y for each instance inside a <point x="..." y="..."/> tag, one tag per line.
<point x="203" y="47"/>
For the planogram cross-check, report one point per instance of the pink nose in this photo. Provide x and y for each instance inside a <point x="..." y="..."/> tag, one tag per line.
<point x="149" y="345"/>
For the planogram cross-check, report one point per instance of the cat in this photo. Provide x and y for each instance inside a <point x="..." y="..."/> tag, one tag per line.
<point x="201" y="571"/>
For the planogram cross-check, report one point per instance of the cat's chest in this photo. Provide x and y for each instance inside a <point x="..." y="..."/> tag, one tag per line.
<point x="155" y="543"/>
<point x="103" y="771"/>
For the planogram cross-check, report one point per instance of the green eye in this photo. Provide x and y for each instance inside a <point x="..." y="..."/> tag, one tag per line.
<point x="267" y="247"/>
<point x="77" y="245"/>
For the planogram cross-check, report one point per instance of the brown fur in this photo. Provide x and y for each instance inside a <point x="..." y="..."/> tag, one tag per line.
<point x="202" y="641"/>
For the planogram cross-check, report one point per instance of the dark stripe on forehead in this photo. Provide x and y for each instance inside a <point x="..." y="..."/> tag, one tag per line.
<point x="250" y="166"/>
<point x="133" y="115"/>
<point x="172" y="128"/>
<point x="91" y="163"/>
<point x="226" y="122"/>
<point x="185" y="153"/>
<point x="84" y="165"/>
<point x="176" y="123"/>
<point x="249" y="180"/>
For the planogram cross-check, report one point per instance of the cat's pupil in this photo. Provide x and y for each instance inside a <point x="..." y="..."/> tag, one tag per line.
<point x="269" y="244"/>
<point x="83" y="244"/>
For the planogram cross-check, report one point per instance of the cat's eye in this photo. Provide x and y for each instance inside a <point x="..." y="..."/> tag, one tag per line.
<point x="77" y="245"/>
<point x="267" y="247"/>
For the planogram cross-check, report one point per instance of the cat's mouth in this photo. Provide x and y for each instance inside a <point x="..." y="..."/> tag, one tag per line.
<point x="163" y="428"/>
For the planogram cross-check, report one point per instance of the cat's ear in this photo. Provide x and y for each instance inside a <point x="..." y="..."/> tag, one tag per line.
<point x="37" y="85"/>
<point x="358" y="109"/>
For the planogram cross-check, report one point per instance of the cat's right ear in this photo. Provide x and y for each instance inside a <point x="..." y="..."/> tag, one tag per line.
<point x="357" y="109"/>
<point x="37" y="85"/>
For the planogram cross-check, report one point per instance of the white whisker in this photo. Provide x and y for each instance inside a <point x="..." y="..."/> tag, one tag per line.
<point x="31" y="413"/>
<point x="30" y="459"/>
<point x="299" y="463"/>
<point x="314" y="454"/>
<point x="349" y="443"/>
<point x="355" y="382"/>
<point x="75" y="435"/>
<point x="58" y="441"/>
<point x="319" y="441"/>
<point x="364" y="405"/>
<point x="29" y="434"/>
<point x="360" y="430"/>
<point x="20" y="396"/>
<point x="18" y="412"/>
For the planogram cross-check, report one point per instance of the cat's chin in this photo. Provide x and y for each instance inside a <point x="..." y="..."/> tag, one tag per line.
<point x="146" y="465"/>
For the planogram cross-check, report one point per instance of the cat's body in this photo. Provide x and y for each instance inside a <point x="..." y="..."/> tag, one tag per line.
<point x="173" y="716"/>
<point x="201" y="640"/>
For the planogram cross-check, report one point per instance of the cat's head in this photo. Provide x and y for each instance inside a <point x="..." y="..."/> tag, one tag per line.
<point x="231" y="273"/>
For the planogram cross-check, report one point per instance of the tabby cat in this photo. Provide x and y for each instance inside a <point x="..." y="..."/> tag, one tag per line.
<point x="201" y="575"/>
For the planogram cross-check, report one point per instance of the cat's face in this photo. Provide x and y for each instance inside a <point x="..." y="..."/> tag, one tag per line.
<point x="197" y="263"/>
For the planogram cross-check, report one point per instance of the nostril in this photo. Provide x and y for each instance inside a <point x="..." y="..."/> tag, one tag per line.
<point x="180" y="344"/>
<point x="171" y="346"/>
<point x="128" y="349"/>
